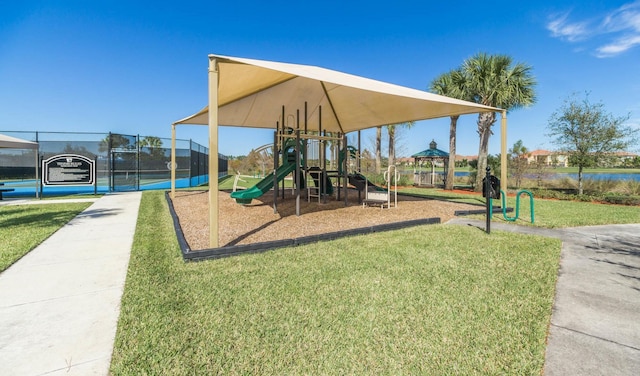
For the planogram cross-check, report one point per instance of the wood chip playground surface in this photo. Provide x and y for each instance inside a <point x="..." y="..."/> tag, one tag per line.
<point x="256" y="222"/>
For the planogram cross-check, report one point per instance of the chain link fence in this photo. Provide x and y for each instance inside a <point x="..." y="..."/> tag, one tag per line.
<point x="123" y="162"/>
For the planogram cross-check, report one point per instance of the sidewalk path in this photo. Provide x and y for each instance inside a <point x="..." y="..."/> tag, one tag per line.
<point x="595" y="328"/>
<point x="59" y="304"/>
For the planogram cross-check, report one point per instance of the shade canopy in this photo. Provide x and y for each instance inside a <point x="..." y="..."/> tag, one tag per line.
<point x="266" y="94"/>
<point x="8" y="142"/>
<point x="251" y="93"/>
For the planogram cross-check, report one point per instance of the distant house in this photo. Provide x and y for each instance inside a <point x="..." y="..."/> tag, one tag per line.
<point x="404" y="161"/>
<point x="559" y="159"/>
<point x="468" y="158"/>
<point x="621" y="158"/>
<point x="548" y="158"/>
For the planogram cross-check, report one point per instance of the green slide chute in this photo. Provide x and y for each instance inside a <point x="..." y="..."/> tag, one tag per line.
<point x="263" y="186"/>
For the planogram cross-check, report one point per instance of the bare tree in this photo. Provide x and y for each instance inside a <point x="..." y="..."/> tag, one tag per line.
<point x="392" y="130"/>
<point x="378" y="148"/>
<point x="519" y="164"/>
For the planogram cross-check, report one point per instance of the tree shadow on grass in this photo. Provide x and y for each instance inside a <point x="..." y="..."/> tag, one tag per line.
<point x="37" y="217"/>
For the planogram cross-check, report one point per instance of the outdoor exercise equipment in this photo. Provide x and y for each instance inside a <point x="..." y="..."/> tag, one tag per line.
<point x="382" y="198"/>
<point x="237" y="179"/>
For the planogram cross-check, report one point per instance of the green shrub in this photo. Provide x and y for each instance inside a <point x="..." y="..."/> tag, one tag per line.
<point x="620" y="199"/>
<point x="620" y="192"/>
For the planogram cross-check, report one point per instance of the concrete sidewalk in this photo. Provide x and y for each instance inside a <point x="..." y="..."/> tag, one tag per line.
<point x="594" y="325"/>
<point x="59" y="304"/>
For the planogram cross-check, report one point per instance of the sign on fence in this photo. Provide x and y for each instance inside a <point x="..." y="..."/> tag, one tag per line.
<point x="68" y="169"/>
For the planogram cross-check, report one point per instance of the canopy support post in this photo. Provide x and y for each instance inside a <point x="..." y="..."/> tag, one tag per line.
<point x="213" y="153"/>
<point x="503" y="151"/>
<point x="345" y="172"/>
<point x="297" y="172"/>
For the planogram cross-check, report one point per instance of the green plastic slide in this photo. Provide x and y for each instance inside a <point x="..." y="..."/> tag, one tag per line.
<point x="263" y="186"/>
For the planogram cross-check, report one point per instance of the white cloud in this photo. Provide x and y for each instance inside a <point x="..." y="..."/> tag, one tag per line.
<point x="572" y="32"/>
<point x="620" y="28"/>
<point x="618" y="46"/>
<point x="625" y="19"/>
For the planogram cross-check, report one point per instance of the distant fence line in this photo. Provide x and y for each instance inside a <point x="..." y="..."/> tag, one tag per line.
<point x="124" y="162"/>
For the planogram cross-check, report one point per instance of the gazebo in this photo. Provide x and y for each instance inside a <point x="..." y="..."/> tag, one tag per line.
<point x="433" y="155"/>
<point x="8" y="142"/>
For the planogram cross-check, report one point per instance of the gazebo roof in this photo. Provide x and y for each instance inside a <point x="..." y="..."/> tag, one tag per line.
<point x="432" y="152"/>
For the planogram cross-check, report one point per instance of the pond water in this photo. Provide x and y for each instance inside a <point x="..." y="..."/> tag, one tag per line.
<point x="589" y="175"/>
<point x="598" y="176"/>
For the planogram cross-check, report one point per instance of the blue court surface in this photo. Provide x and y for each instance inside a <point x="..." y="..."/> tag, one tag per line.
<point x="27" y="188"/>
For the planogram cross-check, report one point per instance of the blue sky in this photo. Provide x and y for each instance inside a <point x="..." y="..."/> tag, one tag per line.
<point x="137" y="66"/>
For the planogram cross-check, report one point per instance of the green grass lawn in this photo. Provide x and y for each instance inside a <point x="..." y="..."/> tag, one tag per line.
<point x="437" y="299"/>
<point x="23" y="227"/>
<point x="556" y="214"/>
<point x="427" y="300"/>
<point x="547" y="213"/>
<point x="440" y="194"/>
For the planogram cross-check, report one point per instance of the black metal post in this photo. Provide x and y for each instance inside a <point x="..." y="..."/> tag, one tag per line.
<point x="95" y="175"/>
<point x="276" y="151"/>
<point x="110" y="163"/>
<point x="138" y="162"/>
<point x="41" y="158"/>
<point x="487" y="190"/>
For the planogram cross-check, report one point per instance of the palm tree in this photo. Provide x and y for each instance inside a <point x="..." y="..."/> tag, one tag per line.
<point x="491" y="80"/>
<point x="150" y="142"/>
<point x="451" y="84"/>
<point x="151" y="147"/>
<point x="115" y="141"/>
<point x="391" y="130"/>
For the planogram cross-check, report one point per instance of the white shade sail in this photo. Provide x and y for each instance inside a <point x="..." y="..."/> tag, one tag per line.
<point x="8" y="142"/>
<point x="251" y="93"/>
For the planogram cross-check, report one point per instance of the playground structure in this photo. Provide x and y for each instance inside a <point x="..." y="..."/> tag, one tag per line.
<point x="246" y="93"/>
<point x="303" y="153"/>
